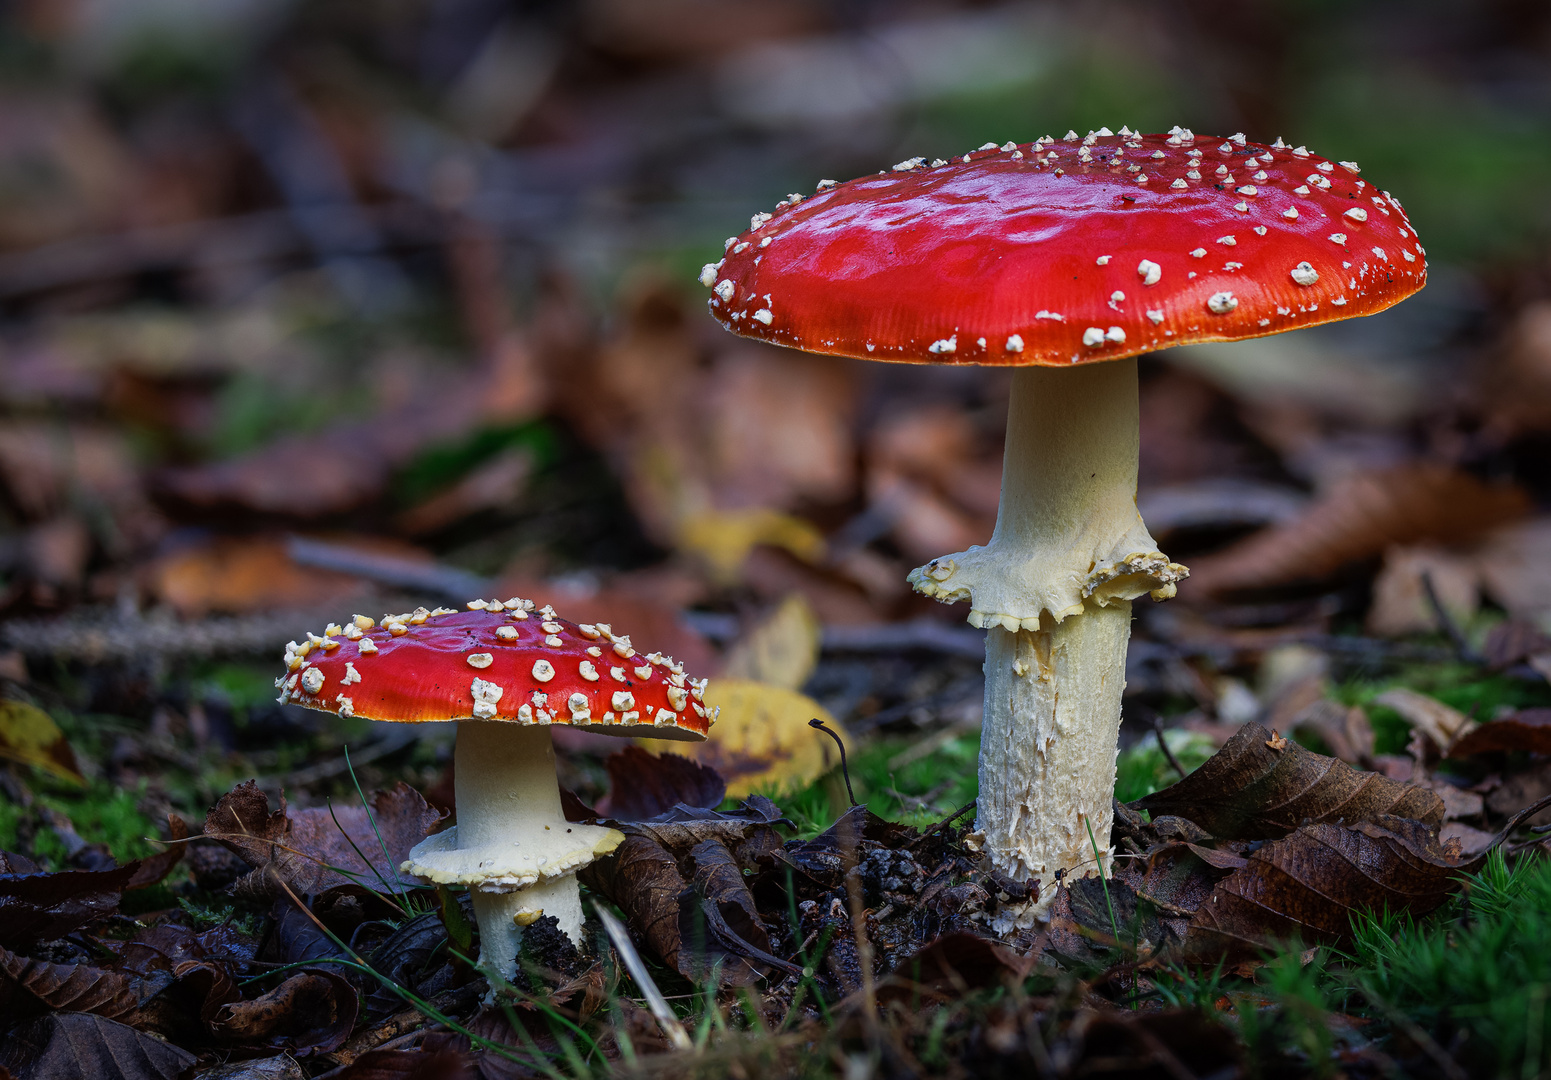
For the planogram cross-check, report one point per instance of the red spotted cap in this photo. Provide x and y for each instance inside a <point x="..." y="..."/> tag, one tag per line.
<point x="499" y="660"/>
<point x="1069" y="251"/>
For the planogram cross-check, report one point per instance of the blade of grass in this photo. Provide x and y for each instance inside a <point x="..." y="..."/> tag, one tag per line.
<point x="633" y="963"/>
<point x="359" y="853"/>
<point x="1103" y="881"/>
<point x="371" y="817"/>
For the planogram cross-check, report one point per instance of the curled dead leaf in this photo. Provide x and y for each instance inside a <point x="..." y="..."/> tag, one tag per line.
<point x="643" y="785"/>
<point x="309" y="1013"/>
<point x="36" y="905"/>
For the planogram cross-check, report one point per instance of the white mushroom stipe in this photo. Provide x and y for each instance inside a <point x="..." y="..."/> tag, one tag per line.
<point x="1068" y="555"/>
<point x="512" y="846"/>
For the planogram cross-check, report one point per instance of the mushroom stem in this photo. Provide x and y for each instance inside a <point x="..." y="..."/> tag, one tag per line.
<point x="504" y="779"/>
<point x="1054" y="589"/>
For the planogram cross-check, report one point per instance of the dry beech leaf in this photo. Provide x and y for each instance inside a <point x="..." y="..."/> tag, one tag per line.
<point x="1309" y="885"/>
<point x="76" y="1045"/>
<point x="29" y="736"/>
<point x="80" y="987"/>
<point x="1528" y="730"/>
<point x="643" y="785"/>
<point x="761" y="741"/>
<point x="237" y="575"/>
<point x="1515" y="564"/>
<point x="309" y="1013"/>
<point x="1433" y="718"/>
<point x="1514" y="641"/>
<point x="1254" y="790"/>
<point x="306" y="848"/>
<point x="644" y="880"/>
<point x="1358" y="518"/>
<point x="781" y="650"/>
<point x="1401" y="605"/>
<point x="36" y="906"/>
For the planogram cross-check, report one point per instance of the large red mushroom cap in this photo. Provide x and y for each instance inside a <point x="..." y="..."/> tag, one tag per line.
<point x="496" y="661"/>
<point x="1069" y="251"/>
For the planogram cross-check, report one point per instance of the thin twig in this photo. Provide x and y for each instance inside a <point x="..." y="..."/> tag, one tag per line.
<point x="637" y="967"/>
<point x="844" y="769"/>
<point x="1451" y="628"/>
<point x="945" y="822"/>
<point x="1163" y="744"/>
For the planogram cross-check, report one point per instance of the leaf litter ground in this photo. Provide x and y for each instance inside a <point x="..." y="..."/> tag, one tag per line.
<point x="1276" y="908"/>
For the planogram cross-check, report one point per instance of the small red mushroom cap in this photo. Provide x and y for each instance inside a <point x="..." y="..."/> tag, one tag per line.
<point x="496" y="661"/>
<point x="1069" y="251"/>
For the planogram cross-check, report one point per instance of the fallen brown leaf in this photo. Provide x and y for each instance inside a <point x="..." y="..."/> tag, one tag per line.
<point x="1528" y="730"/>
<point x="1515" y="564"/>
<point x="29" y="736"/>
<point x="1514" y="641"/>
<point x="1345" y="730"/>
<point x="643" y="785"/>
<point x="1358" y="518"/>
<point x="1308" y="885"/>
<point x="242" y="574"/>
<point x="1250" y="791"/>
<point x="73" y="1046"/>
<point x="1439" y="722"/>
<point x="307" y="848"/>
<point x="309" y="1013"/>
<point x="1401" y="605"/>
<point x="35" y="905"/>
<point x="950" y="967"/>
<point x="78" y="987"/>
<point x="644" y="880"/>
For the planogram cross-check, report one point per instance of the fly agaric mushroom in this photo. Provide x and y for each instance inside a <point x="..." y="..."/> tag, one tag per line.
<point x="1066" y="259"/>
<point x="508" y="673"/>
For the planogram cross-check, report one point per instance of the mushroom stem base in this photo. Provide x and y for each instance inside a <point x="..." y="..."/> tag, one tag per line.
<point x="500" y="935"/>
<point x="1047" y="751"/>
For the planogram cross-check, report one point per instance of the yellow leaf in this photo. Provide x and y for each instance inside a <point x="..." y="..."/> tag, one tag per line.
<point x="761" y="742"/>
<point x="781" y="650"/>
<point x="29" y="735"/>
<point x="724" y="538"/>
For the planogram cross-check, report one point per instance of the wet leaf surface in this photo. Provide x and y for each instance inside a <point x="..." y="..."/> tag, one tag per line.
<point x="1259" y="786"/>
<point x="77" y="987"/>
